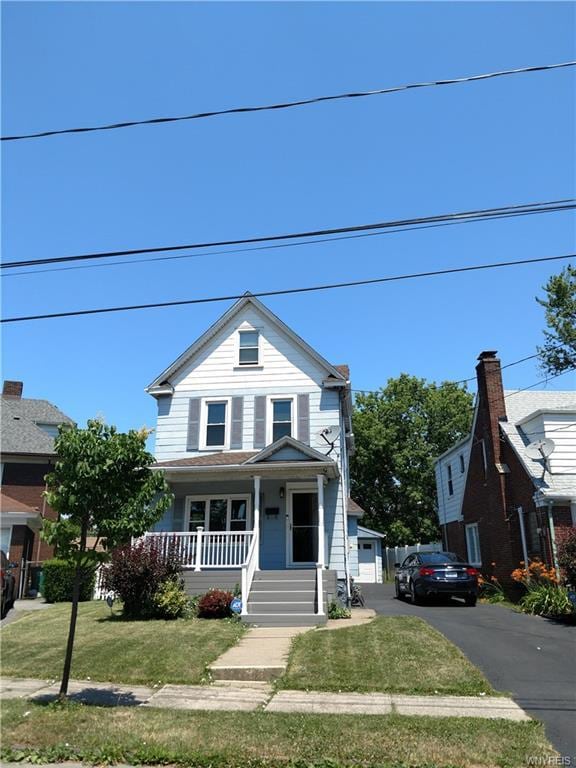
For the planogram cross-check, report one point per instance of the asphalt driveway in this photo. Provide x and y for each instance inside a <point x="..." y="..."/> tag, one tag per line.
<point x="531" y="658"/>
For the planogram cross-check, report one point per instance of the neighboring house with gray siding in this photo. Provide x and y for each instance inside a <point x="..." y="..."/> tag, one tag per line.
<point x="254" y="433"/>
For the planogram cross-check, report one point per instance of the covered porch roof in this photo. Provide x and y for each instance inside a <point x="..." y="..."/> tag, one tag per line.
<point x="286" y="458"/>
<point x="15" y="512"/>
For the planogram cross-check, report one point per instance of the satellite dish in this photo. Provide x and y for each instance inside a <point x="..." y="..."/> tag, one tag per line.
<point x="540" y="449"/>
<point x="328" y="435"/>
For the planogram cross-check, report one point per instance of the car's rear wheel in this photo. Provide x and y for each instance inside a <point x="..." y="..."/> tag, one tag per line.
<point x="415" y="598"/>
<point x="471" y="600"/>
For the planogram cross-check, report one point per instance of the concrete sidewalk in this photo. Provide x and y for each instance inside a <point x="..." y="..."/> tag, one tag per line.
<point x="254" y="695"/>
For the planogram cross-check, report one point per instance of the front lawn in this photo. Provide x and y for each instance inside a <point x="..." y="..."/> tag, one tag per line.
<point x="109" y="649"/>
<point x="397" y="654"/>
<point x="140" y="735"/>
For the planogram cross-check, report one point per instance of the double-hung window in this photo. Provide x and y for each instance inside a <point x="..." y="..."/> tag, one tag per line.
<point x="282" y="417"/>
<point x="249" y="348"/>
<point x="216" y="424"/>
<point x="473" y="544"/>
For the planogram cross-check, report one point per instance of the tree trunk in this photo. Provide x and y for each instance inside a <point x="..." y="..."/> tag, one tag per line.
<point x="73" y="615"/>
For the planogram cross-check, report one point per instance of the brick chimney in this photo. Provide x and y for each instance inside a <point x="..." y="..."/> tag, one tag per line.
<point x="13" y="389"/>
<point x="491" y="404"/>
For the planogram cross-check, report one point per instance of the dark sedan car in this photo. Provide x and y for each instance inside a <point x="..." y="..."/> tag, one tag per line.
<point x="427" y="574"/>
<point x="7" y="585"/>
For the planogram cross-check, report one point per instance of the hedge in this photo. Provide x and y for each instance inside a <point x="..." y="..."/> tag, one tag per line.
<point x="59" y="582"/>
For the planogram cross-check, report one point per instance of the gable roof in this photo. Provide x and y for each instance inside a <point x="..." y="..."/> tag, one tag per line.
<point x="369" y="533"/>
<point x="222" y="321"/>
<point x="353" y="508"/>
<point x="20" y="432"/>
<point x="519" y="406"/>
<point x="305" y="451"/>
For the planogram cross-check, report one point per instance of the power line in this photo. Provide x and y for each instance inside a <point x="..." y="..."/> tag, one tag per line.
<point x="288" y="104"/>
<point x="286" y="291"/>
<point x="463" y="381"/>
<point x="553" y="205"/>
<point x="379" y="233"/>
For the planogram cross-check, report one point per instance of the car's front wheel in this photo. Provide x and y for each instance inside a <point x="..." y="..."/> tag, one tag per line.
<point x="397" y="589"/>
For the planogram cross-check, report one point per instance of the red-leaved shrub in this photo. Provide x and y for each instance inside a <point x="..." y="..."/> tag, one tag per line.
<point x="136" y="572"/>
<point x="566" y="542"/>
<point x="215" y="604"/>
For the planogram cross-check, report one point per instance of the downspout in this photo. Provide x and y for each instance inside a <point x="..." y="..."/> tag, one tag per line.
<point x="344" y="462"/>
<point x="553" y="540"/>
<point x="523" y="536"/>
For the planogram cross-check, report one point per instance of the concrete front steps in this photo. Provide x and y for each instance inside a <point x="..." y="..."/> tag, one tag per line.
<point x="284" y="599"/>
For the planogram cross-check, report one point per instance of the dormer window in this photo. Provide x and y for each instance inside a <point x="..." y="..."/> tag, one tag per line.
<point x="249" y="351"/>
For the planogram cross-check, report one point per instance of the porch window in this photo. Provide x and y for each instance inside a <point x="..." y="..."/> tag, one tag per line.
<point x="238" y="514"/>
<point x="197" y="515"/>
<point x="248" y="348"/>
<point x="218" y="515"/>
<point x="281" y="419"/>
<point x="222" y="513"/>
<point x="216" y="425"/>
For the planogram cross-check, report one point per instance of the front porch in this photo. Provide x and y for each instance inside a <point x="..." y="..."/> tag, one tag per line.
<point x="276" y="512"/>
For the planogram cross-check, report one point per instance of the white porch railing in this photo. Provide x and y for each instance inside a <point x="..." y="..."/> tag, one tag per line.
<point x="248" y="570"/>
<point x="205" y="549"/>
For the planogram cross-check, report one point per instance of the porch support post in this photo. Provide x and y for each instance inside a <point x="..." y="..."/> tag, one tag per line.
<point x="198" y="558"/>
<point x="257" y="520"/>
<point x="321" y="535"/>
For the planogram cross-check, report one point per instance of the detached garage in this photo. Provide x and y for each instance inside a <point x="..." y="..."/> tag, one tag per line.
<point x="369" y="556"/>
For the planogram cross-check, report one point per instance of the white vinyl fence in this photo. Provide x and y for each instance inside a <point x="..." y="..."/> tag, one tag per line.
<point x="391" y="555"/>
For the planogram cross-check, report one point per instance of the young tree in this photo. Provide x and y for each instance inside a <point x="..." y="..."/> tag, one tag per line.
<point x="559" y="351"/>
<point x="399" y="432"/>
<point x="101" y="486"/>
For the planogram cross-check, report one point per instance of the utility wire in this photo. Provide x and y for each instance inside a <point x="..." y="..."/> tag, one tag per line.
<point x="553" y="205"/>
<point x="463" y="381"/>
<point x="379" y="233"/>
<point x="288" y="104"/>
<point x="286" y="291"/>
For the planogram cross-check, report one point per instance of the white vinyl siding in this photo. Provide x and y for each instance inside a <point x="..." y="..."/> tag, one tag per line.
<point x="561" y="428"/>
<point x="473" y="544"/>
<point x="449" y="504"/>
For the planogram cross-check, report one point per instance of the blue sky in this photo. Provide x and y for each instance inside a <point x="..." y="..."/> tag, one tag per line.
<point x="424" y="152"/>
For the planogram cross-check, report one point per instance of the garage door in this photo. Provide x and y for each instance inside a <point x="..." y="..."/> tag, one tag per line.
<point x="367" y="562"/>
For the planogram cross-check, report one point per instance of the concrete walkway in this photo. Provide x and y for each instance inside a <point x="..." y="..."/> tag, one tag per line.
<point x="256" y="695"/>
<point x="262" y="653"/>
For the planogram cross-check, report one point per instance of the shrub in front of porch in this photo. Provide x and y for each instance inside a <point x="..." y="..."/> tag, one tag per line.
<point x="215" y="604"/>
<point x="59" y="582"/>
<point x="147" y="581"/>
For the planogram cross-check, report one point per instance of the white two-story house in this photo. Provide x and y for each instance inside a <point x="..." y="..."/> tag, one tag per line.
<point x="253" y="435"/>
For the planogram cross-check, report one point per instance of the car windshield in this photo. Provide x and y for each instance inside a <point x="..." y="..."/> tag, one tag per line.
<point x="440" y="557"/>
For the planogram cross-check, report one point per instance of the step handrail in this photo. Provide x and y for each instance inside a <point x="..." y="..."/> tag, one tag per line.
<point x="248" y="570"/>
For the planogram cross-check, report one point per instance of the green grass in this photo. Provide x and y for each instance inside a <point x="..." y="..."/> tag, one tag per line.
<point x="264" y="740"/>
<point x="109" y="649"/>
<point x="397" y="654"/>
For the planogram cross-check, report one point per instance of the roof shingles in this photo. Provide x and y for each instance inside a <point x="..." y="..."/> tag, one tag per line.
<point x="20" y="432"/>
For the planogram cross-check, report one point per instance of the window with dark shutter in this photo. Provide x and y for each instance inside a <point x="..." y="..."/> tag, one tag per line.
<point x="193" y="424"/>
<point x="259" y="421"/>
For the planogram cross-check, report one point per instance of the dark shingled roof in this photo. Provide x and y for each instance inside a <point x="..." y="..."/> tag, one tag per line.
<point x="226" y="458"/>
<point x="344" y="370"/>
<point x="20" y="431"/>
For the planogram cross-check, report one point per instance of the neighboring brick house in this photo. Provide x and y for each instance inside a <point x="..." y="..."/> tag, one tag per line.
<point x="27" y="454"/>
<point x="496" y="505"/>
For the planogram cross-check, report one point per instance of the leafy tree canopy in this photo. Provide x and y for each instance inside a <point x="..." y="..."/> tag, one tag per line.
<point x="398" y="433"/>
<point x="102" y="485"/>
<point x="559" y="351"/>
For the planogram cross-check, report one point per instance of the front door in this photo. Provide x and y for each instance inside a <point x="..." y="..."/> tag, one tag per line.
<point x="302" y="528"/>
